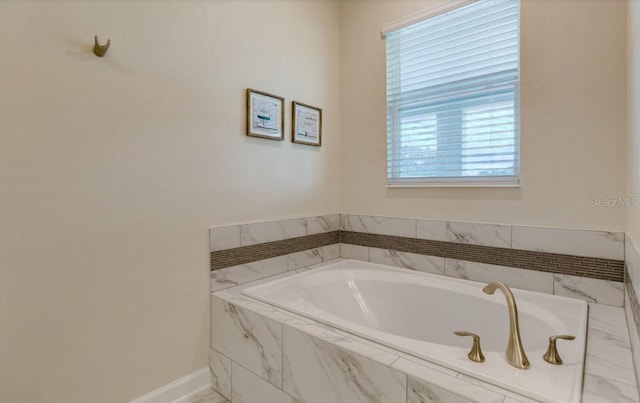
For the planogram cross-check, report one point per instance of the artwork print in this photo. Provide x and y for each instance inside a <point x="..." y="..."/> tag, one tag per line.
<point x="307" y="124"/>
<point x="265" y="115"/>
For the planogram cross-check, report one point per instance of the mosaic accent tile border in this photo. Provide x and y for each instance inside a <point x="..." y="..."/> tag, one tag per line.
<point x="251" y="253"/>
<point x="598" y="268"/>
<point x="590" y="267"/>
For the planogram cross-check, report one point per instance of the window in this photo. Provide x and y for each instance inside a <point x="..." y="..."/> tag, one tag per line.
<point x="453" y="97"/>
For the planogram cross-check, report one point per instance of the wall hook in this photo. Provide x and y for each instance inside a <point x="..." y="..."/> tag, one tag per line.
<point x="98" y="49"/>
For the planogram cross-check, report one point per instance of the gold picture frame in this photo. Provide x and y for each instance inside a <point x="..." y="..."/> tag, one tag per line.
<point x="306" y="125"/>
<point x="265" y="115"/>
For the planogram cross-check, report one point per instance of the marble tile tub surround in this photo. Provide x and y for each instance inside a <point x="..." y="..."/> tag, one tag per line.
<point x="597" y="244"/>
<point x="235" y="236"/>
<point x="632" y="304"/>
<point x="603" y="269"/>
<point x="244" y="273"/>
<point x="321" y="364"/>
<point x="588" y="289"/>
<point x="245" y="243"/>
<point x="246" y="252"/>
<point x="579" y="253"/>
<point x="609" y="369"/>
<point x="589" y="243"/>
<point x="252" y="253"/>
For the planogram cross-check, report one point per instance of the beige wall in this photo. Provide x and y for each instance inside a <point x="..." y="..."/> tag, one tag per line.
<point x="112" y="169"/>
<point x="573" y="119"/>
<point x="633" y="95"/>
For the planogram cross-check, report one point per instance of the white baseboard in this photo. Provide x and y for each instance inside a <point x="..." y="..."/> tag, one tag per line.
<point x="177" y="389"/>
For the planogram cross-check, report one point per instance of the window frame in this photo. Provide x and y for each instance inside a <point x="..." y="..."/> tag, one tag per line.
<point x="394" y="111"/>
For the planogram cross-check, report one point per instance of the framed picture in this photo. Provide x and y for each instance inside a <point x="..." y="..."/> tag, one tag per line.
<point x="265" y="115"/>
<point x="307" y="124"/>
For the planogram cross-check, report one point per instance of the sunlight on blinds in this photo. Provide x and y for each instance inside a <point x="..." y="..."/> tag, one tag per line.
<point x="453" y="97"/>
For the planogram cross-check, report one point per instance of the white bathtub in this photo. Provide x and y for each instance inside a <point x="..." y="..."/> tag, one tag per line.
<point x="417" y="313"/>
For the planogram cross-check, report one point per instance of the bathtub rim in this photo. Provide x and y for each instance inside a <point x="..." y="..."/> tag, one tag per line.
<point x="286" y="276"/>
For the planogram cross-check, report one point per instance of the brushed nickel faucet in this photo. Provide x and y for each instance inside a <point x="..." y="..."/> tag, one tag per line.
<point x="515" y="353"/>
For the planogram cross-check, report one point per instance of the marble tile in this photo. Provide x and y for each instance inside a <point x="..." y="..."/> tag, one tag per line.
<point x="321" y="224"/>
<point x="248" y="388"/>
<point x="433" y="230"/>
<point x="608" y="325"/>
<point x="344" y="222"/>
<point x="608" y="346"/>
<point x="589" y="289"/>
<point x="326" y="263"/>
<point x="323" y="264"/>
<point x="634" y="338"/>
<point x="479" y="234"/>
<point x="425" y="384"/>
<point x="221" y="238"/>
<point x="420" y="392"/>
<point x="318" y="372"/>
<point x="611" y="362"/>
<point x="233" y="296"/>
<point x="235" y="275"/>
<point x="382" y="225"/>
<point x="251" y="340"/>
<point x="632" y="261"/>
<point x="313" y="256"/>
<point x="358" y="346"/>
<point x="305" y="325"/>
<point x="406" y="260"/>
<point x="608" y="245"/>
<point x="220" y="373"/>
<point x="513" y="277"/>
<point x="632" y="306"/>
<point x="205" y="395"/>
<point x="356" y="252"/>
<point x="509" y="396"/>
<point x="287" y="318"/>
<point x="391" y="352"/>
<point x="422" y="370"/>
<point x="251" y="234"/>
<point x="601" y="390"/>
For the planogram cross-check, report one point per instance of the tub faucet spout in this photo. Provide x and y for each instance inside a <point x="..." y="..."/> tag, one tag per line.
<point x="515" y="353"/>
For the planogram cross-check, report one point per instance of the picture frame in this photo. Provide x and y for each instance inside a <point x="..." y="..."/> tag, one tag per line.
<point x="307" y="124"/>
<point x="265" y="115"/>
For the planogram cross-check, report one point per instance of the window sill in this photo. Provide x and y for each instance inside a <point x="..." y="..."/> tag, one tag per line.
<point x="509" y="182"/>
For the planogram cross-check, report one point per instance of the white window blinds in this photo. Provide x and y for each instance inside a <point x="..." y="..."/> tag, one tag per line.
<point x="453" y="97"/>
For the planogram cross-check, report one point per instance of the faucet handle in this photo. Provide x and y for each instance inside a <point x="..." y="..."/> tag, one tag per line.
<point x="552" y="356"/>
<point x="476" y="352"/>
